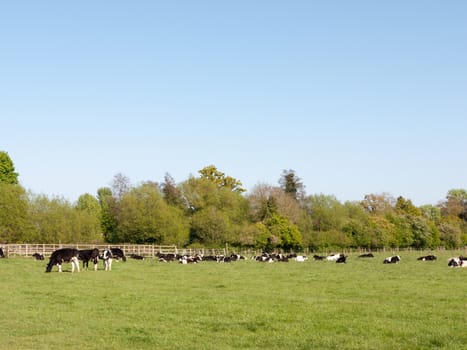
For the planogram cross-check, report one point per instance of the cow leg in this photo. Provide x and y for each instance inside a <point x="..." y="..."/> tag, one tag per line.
<point x="74" y="264"/>
<point x="59" y="267"/>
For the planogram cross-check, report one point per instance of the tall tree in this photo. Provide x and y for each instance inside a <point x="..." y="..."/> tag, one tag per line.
<point x="7" y="169"/>
<point x="212" y="174"/>
<point x="172" y="194"/>
<point x="109" y="214"/>
<point x="455" y="204"/>
<point x="292" y="184"/>
<point x="146" y="218"/>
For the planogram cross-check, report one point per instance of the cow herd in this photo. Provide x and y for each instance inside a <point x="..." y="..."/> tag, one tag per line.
<point x="73" y="255"/>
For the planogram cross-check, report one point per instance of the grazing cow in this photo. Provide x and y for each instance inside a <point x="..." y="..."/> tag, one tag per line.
<point x="427" y="258"/>
<point x="1" y="253"/>
<point x="136" y="257"/>
<point x="60" y="256"/>
<point x="89" y="254"/>
<point x="107" y="258"/>
<point x="117" y="253"/>
<point x="38" y="256"/>
<point x="392" y="259"/>
<point x="367" y="255"/>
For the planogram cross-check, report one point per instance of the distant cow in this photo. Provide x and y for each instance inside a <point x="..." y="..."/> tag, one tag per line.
<point x="367" y="255"/>
<point x="460" y="261"/>
<point x="334" y="257"/>
<point x="301" y="258"/>
<point x="136" y="257"/>
<point x="107" y="257"/>
<point x="427" y="258"/>
<point x="89" y="254"/>
<point x="342" y="259"/>
<point x="117" y="253"/>
<point x="60" y="256"/>
<point x="1" y="253"/>
<point x="318" y="257"/>
<point x="392" y="259"/>
<point x="38" y="256"/>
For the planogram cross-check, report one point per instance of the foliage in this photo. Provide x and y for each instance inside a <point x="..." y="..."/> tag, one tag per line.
<point x="144" y="217"/>
<point x="7" y="170"/>
<point x="212" y="210"/>
<point x="14" y="216"/>
<point x="211" y="173"/>
<point x="292" y="184"/>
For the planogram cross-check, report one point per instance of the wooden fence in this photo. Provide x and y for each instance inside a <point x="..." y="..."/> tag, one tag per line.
<point x="150" y="250"/>
<point x="13" y="250"/>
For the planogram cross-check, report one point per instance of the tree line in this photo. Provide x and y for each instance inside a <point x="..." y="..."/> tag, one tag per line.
<point x="213" y="209"/>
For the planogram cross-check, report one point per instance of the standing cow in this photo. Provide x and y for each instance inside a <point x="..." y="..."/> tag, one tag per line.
<point x="89" y="254"/>
<point x="60" y="256"/>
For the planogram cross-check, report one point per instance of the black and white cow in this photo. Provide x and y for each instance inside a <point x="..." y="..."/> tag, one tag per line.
<point x="427" y="258"/>
<point x="460" y="261"/>
<point x="62" y="255"/>
<point x="117" y="253"/>
<point x="38" y="256"/>
<point x="392" y="259"/>
<point x="334" y="257"/>
<point x="367" y="255"/>
<point x="136" y="257"/>
<point x="342" y="259"/>
<point x="89" y="254"/>
<point x="107" y="257"/>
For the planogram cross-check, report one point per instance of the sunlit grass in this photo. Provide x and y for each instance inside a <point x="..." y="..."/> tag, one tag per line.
<point x="363" y="304"/>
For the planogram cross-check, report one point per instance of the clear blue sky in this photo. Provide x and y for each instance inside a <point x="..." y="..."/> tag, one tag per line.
<point x="357" y="97"/>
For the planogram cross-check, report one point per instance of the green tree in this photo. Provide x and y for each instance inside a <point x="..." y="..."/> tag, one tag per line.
<point x="14" y="217"/>
<point x="89" y="217"/>
<point x="109" y="215"/>
<point x="55" y="219"/>
<point x="218" y="214"/>
<point x="146" y="218"/>
<point x="172" y="194"/>
<point x="7" y="170"/>
<point x="292" y="184"/>
<point x="455" y="204"/>
<point x="220" y="179"/>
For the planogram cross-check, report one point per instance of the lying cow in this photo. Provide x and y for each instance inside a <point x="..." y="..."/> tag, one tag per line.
<point x="334" y="257"/>
<point x="427" y="258"/>
<point x="38" y="256"/>
<point x="458" y="262"/>
<point x="60" y="256"/>
<point x="392" y="259"/>
<point x="367" y="255"/>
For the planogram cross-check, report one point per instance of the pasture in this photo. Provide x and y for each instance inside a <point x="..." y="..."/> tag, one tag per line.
<point x="363" y="304"/>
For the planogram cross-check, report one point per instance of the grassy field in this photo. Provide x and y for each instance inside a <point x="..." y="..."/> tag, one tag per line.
<point x="363" y="304"/>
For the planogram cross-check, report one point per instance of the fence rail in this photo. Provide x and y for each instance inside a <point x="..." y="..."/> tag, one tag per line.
<point x="13" y="250"/>
<point x="150" y="250"/>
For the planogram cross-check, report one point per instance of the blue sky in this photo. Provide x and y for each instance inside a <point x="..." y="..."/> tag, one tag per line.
<point x="356" y="97"/>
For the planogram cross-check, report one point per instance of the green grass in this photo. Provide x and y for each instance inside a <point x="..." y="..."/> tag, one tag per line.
<point x="244" y="305"/>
